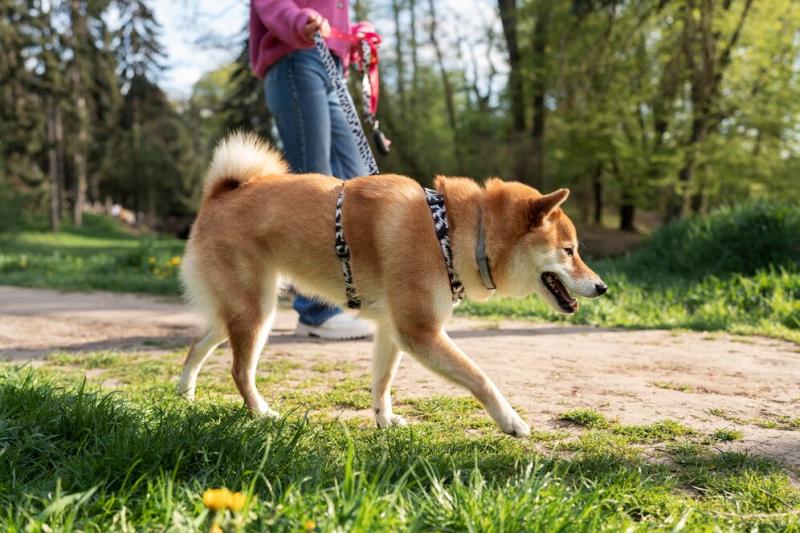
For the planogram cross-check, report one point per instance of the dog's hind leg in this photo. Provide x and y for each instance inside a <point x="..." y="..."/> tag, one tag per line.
<point x="385" y="361"/>
<point x="248" y="331"/>
<point x="201" y="348"/>
<point x="438" y="352"/>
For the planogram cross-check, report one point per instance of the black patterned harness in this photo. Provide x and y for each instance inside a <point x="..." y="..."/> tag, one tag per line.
<point x="439" y="214"/>
<point x="436" y="204"/>
<point x="343" y="252"/>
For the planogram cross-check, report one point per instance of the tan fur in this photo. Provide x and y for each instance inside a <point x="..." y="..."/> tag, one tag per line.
<point x="258" y="223"/>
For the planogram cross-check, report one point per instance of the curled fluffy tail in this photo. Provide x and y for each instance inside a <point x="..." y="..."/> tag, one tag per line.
<point x="238" y="159"/>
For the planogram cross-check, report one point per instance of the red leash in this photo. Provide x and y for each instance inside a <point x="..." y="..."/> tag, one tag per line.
<point x="364" y="42"/>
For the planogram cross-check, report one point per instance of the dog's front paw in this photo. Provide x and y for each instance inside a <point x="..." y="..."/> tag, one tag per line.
<point x="262" y="410"/>
<point x="387" y="421"/>
<point x="516" y="426"/>
<point x="269" y="413"/>
<point x="185" y="392"/>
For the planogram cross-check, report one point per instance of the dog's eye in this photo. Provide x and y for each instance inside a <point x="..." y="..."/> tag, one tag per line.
<point x="569" y="251"/>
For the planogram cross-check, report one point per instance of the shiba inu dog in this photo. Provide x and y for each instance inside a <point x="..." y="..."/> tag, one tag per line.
<point x="259" y="223"/>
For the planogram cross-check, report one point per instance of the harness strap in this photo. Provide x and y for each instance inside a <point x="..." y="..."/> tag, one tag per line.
<point x="343" y="252"/>
<point x="439" y="214"/>
<point x="436" y="204"/>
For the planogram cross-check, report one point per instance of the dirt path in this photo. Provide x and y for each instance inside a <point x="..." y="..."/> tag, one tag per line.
<point x="707" y="381"/>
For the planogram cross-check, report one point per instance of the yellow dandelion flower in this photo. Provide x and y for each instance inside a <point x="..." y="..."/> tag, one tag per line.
<point x="219" y="499"/>
<point x="216" y="499"/>
<point x="236" y="501"/>
<point x="310" y="525"/>
<point x="175" y="261"/>
<point x="215" y="528"/>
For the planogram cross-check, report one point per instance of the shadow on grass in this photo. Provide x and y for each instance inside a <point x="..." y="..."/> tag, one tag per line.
<point x="178" y="341"/>
<point x="284" y="336"/>
<point x="542" y="331"/>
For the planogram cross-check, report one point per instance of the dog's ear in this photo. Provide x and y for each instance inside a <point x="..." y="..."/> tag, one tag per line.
<point x="540" y="208"/>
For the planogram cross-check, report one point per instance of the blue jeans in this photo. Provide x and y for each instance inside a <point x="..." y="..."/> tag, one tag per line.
<point x="315" y="136"/>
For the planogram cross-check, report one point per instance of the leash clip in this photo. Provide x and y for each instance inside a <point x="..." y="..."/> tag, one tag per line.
<point x="382" y="143"/>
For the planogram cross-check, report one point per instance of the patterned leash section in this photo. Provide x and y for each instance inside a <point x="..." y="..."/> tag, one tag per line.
<point x="366" y="86"/>
<point x="343" y="252"/>
<point x="364" y="151"/>
<point x="439" y="214"/>
<point x="434" y="199"/>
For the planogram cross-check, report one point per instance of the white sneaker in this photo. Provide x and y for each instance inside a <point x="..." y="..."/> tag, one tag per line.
<point x="337" y="328"/>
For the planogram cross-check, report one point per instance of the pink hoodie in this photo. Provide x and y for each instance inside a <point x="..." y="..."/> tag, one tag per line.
<point x="276" y="28"/>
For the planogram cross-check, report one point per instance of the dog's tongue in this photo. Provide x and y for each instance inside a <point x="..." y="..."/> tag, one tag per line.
<point x="555" y="285"/>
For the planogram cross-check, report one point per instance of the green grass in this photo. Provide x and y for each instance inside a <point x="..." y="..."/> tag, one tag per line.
<point x="586" y="417"/>
<point x="671" y="385"/>
<point x="727" y="434"/>
<point x="782" y="422"/>
<point x="102" y="255"/>
<point x="736" y="270"/>
<point x="75" y="457"/>
<point x="662" y="431"/>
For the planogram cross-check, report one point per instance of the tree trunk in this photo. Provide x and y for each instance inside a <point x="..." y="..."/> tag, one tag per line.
<point x="412" y="8"/>
<point x="597" y="187"/>
<point x="539" y="89"/>
<point x="79" y="161"/>
<point x="59" y="139"/>
<point x="415" y="85"/>
<point x="448" y="90"/>
<point x="360" y="9"/>
<point x="136" y="147"/>
<point x="626" y="215"/>
<point x="397" y="6"/>
<point x="52" y="166"/>
<point x="699" y="201"/>
<point x="151" y="202"/>
<point x="94" y="188"/>
<point x="679" y="202"/>
<point x="707" y="69"/>
<point x="79" y="35"/>
<point x="516" y="94"/>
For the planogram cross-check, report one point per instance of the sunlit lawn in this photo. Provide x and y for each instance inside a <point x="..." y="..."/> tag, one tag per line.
<point x="100" y="256"/>
<point x="122" y="451"/>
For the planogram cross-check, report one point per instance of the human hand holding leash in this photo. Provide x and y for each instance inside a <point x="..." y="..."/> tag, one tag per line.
<point x="316" y="23"/>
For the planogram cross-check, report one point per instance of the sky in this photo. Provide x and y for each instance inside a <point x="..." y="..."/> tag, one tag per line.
<point x="188" y="24"/>
<point x="184" y="23"/>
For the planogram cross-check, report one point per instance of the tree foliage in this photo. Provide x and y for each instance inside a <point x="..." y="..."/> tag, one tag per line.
<point x="670" y="106"/>
<point x="83" y="121"/>
<point x="664" y="106"/>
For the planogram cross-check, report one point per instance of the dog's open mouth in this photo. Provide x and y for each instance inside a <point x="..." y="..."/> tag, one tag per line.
<point x="567" y="303"/>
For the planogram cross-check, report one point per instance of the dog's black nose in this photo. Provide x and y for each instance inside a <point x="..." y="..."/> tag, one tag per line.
<point x="601" y="288"/>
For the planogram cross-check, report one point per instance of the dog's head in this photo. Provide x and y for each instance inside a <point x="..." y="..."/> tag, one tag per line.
<point x="535" y="246"/>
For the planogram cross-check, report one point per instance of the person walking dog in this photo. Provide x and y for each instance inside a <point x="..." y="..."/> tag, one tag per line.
<point x="312" y="127"/>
